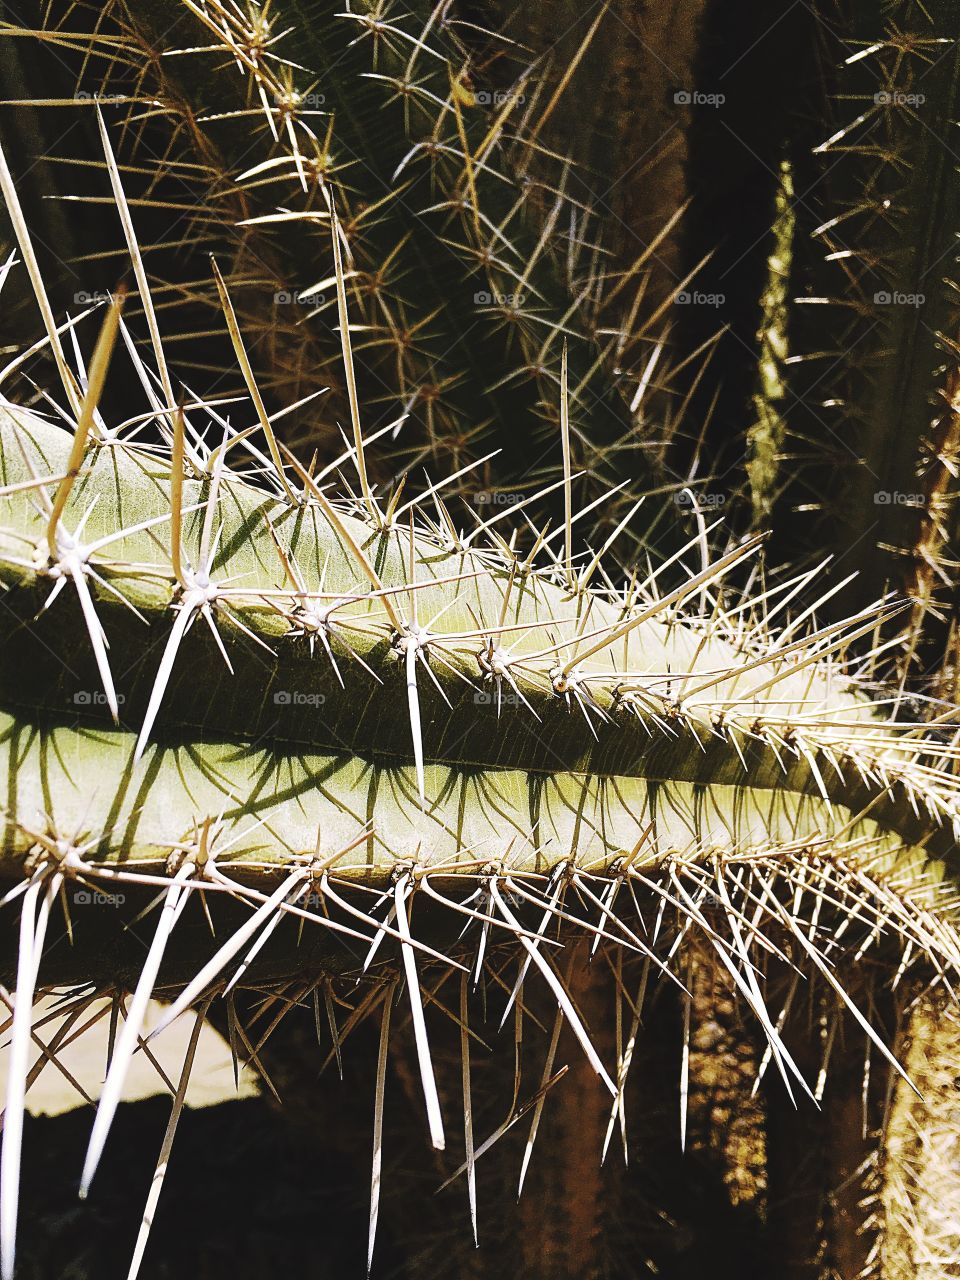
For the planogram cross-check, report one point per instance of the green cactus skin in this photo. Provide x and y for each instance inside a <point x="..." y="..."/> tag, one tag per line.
<point x="587" y="779"/>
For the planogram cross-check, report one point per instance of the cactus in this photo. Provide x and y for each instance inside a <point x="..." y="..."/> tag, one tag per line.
<point x="236" y="687"/>
<point x="331" y="749"/>
<point x="920" y="1192"/>
<point x="871" y="372"/>
<point x="452" y="270"/>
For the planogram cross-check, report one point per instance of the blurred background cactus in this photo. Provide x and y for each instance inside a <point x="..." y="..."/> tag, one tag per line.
<point x="731" y="239"/>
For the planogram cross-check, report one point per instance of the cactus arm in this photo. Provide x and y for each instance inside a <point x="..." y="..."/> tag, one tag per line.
<point x="581" y="755"/>
<point x="872" y="370"/>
